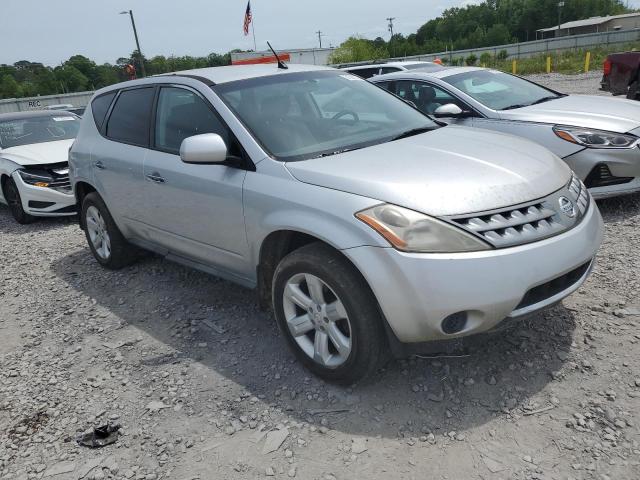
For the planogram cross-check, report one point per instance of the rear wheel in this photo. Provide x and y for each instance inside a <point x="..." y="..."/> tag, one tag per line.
<point x="108" y="245"/>
<point x="328" y="314"/>
<point x="12" y="196"/>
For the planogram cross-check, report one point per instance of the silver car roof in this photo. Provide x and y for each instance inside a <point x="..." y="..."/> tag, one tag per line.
<point x="233" y="73"/>
<point x="219" y="75"/>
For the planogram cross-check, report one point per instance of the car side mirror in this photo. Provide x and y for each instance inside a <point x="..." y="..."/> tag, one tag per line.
<point x="204" y="149"/>
<point x="448" y="110"/>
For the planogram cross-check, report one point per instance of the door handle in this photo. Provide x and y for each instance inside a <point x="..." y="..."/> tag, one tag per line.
<point x="99" y="165"/>
<point x="155" y="177"/>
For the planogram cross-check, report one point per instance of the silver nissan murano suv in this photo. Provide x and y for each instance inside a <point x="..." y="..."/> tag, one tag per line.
<point x="361" y="222"/>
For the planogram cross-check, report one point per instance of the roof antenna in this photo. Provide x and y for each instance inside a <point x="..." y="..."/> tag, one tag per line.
<point x="281" y="64"/>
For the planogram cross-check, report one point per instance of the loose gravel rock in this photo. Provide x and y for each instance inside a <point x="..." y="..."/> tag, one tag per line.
<point x="199" y="379"/>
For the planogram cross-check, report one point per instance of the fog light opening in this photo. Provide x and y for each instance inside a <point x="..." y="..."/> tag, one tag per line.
<point x="454" y="323"/>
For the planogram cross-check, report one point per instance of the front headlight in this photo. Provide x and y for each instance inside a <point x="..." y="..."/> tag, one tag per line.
<point x="38" y="179"/>
<point x="411" y="231"/>
<point x="596" y="138"/>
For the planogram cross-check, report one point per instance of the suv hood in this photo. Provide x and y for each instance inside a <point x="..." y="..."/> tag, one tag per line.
<point x="449" y="171"/>
<point x="590" y="111"/>
<point x="38" y="153"/>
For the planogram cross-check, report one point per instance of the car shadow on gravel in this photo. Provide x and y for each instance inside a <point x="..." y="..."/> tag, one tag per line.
<point x="9" y="226"/>
<point x="203" y="319"/>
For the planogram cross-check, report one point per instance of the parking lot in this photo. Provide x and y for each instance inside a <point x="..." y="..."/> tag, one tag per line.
<point x="204" y="386"/>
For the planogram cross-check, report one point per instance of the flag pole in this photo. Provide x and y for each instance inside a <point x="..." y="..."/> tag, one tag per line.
<point x="253" y="30"/>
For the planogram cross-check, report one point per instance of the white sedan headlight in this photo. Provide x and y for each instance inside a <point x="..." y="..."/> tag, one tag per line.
<point x="596" y="138"/>
<point x="411" y="231"/>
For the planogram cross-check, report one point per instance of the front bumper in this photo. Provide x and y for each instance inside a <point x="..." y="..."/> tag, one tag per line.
<point x="44" y="201"/>
<point x="620" y="162"/>
<point x="416" y="292"/>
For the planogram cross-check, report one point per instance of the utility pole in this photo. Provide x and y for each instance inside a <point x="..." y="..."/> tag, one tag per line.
<point x="560" y="5"/>
<point x="135" y="34"/>
<point x="391" y="19"/>
<point x="320" y="35"/>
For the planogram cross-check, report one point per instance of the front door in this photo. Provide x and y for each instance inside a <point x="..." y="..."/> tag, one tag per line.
<point x="194" y="211"/>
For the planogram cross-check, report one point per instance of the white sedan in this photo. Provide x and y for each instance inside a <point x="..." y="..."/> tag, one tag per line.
<point x="34" y="169"/>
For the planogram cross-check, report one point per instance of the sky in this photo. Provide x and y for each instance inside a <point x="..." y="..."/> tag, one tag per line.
<point x="50" y="32"/>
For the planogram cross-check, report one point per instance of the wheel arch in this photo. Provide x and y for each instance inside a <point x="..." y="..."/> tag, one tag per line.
<point x="81" y="190"/>
<point x="278" y="244"/>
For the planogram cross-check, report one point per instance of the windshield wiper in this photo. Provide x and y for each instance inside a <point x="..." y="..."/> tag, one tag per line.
<point x="544" y="99"/>
<point x="328" y="154"/>
<point x="517" y="105"/>
<point x="412" y="132"/>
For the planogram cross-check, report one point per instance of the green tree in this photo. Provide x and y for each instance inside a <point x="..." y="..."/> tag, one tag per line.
<point x="356" y="49"/>
<point x="71" y="79"/>
<point x="9" y="88"/>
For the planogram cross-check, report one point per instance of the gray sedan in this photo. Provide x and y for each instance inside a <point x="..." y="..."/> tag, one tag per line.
<point x="597" y="136"/>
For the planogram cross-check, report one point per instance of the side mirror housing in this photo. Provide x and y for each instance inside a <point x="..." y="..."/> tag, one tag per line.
<point x="448" y="110"/>
<point x="208" y="148"/>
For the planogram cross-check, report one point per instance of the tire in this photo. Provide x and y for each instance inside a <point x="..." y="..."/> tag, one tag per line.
<point x="322" y="280"/>
<point x="632" y="94"/>
<point x="12" y="196"/>
<point x="108" y="245"/>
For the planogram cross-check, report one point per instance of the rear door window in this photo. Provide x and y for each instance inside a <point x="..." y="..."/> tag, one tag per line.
<point x="100" y="106"/>
<point x="131" y="117"/>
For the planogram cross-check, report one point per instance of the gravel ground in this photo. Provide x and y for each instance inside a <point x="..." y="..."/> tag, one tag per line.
<point x="584" y="83"/>
<point x="205" y="388"/>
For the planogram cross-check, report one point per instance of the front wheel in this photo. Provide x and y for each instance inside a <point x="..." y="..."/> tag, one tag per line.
<point x="12" y="196"/>
<point x="328" y="314"/>
<point x="108" y="245"/>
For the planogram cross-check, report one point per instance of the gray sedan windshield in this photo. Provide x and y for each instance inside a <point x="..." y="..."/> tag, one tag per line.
<point x="313" y="114"/>
<point x="500" y="91"/>
<point x="32" y="130"/>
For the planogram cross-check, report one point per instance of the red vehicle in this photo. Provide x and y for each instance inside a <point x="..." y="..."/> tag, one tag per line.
<point x="621" y="74"/>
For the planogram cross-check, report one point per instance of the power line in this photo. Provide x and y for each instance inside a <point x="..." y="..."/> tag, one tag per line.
<point x="320" y="35"/>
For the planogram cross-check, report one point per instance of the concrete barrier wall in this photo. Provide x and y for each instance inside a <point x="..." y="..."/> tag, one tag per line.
<point x="79" y="99"/>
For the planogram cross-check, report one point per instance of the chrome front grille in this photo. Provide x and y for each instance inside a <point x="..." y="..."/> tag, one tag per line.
<point x="532" y="221"/>
<point x="60" y="179"/>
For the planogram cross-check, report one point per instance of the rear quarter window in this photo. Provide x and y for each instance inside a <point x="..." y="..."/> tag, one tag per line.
<point x="100" y="107"/>
<point x="131" y="117"/>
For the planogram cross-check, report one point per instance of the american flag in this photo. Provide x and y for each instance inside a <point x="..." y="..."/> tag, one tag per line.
<point x="247" y="18"/>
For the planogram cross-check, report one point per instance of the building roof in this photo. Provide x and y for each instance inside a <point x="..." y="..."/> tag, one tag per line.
<point x="588" y="22"/>
<point x="35" y="114"/>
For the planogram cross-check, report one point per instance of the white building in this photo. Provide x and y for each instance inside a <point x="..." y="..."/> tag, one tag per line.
<point x="593" y="25"/>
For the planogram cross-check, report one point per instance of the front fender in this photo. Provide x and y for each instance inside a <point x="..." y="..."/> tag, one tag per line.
<point x="277" y="203"/>
<point x="7" y="168"/>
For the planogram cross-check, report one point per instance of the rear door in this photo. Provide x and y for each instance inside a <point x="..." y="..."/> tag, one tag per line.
<point x="118" y="160"/>
<point x="194" y="211"/>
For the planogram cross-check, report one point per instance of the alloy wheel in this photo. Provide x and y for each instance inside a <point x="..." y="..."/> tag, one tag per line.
<point x="317" y="320"/>
<point x="98" y="233"/>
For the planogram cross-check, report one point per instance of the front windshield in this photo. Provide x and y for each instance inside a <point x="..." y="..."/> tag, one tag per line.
<point x="297" y="116"/>
<point x="500" y="91"/>
<point x="26" y="131"/>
